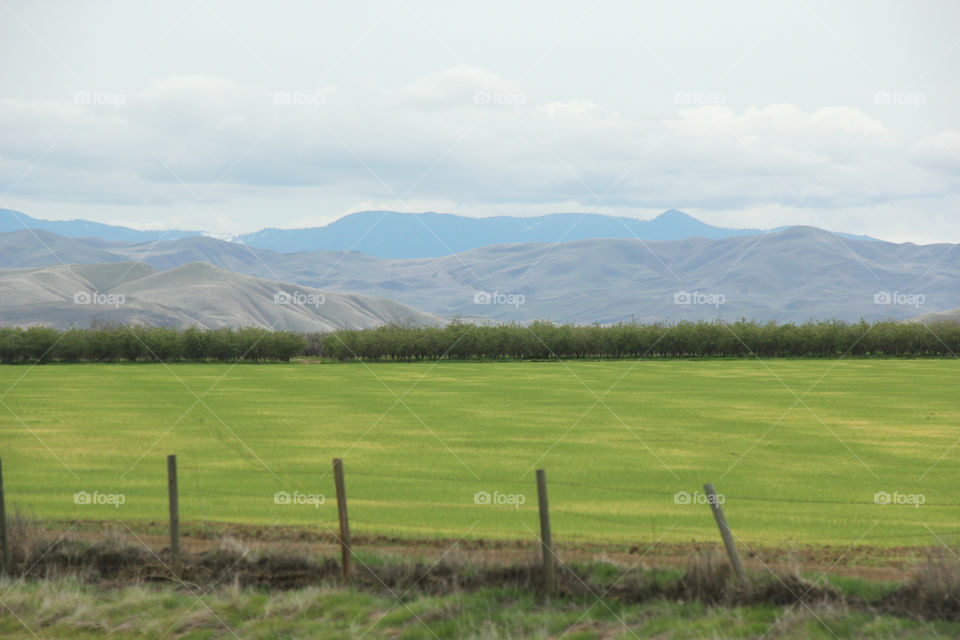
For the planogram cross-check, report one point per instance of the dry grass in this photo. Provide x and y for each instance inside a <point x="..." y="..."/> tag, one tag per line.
<point x="26" y="538"/>
<point x="933" y="593"/>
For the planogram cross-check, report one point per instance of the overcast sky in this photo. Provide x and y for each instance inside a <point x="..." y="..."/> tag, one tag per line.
<point x="230" y="117"/>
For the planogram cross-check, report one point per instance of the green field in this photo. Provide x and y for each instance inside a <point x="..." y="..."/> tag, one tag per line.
<point x="797" y="447"/>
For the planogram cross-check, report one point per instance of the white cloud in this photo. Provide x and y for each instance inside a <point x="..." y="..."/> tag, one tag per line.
<point x="435" y="141"/>
<point x="941" y="151"/>
<point x="455" y="88"/>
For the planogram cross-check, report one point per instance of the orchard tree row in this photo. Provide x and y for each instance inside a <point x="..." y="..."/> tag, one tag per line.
<point x="459" y="341"/>
<point x="544" y="340"/>
<point x="143" y="344"/>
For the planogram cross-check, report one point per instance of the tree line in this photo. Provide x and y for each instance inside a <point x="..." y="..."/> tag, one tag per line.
<point x="147" y="344"/>
<point x="544" y="340"/>
<point x="461" y="341"/>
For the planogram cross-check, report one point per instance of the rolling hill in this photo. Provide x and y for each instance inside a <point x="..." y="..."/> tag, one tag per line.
<point x="950" y="315"/>
<point x="797" y="274"/>
<point x="194" y="294"/>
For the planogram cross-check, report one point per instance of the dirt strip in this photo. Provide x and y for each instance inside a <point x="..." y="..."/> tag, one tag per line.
<point x="866" y="562"/>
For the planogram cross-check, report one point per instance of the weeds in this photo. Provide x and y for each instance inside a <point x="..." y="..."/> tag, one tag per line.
<point x="932" y="593"/>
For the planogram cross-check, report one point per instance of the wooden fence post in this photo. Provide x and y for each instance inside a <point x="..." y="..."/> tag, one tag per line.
<point x="725" y="531"/>
<point x="549" y="568"/>
<point x="346" y="553"/>
<point x="174" y="504"/>
<point x="4" y="547"/>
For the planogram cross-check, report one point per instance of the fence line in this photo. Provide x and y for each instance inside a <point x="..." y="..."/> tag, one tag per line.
<point x="622" y="520"/>
<point x="501" y="481"/>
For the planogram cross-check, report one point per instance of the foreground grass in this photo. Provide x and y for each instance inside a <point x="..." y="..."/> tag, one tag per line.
<point x="798" y="447"/>
<point x="70" y="610"/>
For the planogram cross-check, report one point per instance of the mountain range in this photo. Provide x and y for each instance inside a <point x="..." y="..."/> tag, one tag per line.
<point x="11" y="220"/>
<point x="796" y="274"/>
<point x="391" y="234"/>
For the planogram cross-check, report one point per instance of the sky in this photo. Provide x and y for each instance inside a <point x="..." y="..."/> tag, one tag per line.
<point x="230" y="117"/>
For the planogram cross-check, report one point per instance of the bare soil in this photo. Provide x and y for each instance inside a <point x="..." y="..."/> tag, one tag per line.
<point x="892" y="564"/>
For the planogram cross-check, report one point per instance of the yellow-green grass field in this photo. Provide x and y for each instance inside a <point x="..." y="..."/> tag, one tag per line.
<point x="798" y="448"/>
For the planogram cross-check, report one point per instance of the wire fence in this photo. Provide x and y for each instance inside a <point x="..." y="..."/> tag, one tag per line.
<point x="434" y="505"/>
<point x="324" y="475"/>
<point x="392" y="501"/>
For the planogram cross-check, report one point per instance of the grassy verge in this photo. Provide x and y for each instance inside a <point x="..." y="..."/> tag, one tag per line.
<point x="111" y="588"/>
<point x="68" y="609"/>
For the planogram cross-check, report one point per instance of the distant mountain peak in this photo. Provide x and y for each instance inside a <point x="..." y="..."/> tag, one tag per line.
<point x="671" y="215"/>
